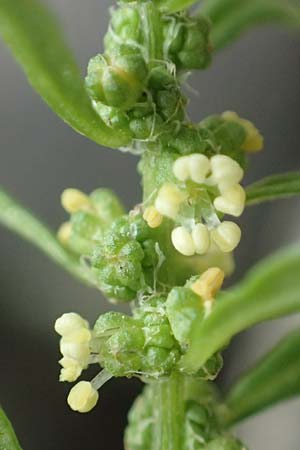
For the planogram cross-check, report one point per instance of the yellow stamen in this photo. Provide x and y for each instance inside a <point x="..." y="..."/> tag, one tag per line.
<point x="209" y="283"/>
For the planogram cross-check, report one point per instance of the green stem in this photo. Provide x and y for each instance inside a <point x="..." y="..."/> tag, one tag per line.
<point x="16" y="218"/>
<point x="169" y="413"/>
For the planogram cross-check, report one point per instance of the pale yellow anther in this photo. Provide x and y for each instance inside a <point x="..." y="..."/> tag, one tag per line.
<point x="199" y="166"/>
<point x="181" y="168"/>
<point x="75" y="350"/>
<point x="64" y="233"/>
<point x="71" y="369"/>
<point x="183" y="241"/>
<point x="152" y="217"/>
<point x="200" y="235"/>
<point x="232" y="201"/>
<point x="168" y="200"/>
<point x="76" y="346"/>
<point x="227" y="236"/>
<point x="74" y="200"/>
<point x="209" y="283"/>
<point x="68" y="323"/>
<point x="195" y="166"/>
<point x="254" y="141"/>
<point x="83" y="397"/>
<point x="226" y="172"/>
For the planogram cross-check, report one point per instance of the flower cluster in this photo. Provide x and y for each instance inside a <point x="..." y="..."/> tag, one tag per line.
<point x="134" y="85"/>
<point x="148" y="344"/>
<point x="204" y="188"/>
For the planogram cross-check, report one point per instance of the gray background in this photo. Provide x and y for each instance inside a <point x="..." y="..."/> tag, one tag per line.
<point x="40" y="156"/>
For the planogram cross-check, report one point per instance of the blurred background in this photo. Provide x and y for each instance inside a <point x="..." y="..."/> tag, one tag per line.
<point x="40" y="156"/>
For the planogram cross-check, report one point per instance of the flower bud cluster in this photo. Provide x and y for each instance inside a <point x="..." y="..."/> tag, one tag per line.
<point x="134" y="85"/>
<point x="91" y="215"/>
<point x="149" y="344"/>
<point x="123" y="263"/>
<point x="142" y="344"/>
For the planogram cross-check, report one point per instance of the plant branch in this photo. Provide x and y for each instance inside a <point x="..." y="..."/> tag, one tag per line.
<point x="16" y="218"/>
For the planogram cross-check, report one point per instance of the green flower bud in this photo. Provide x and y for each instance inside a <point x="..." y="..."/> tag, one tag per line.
<point x="189" y="44"/>
<point x="200" y="425"/>
<point x="159" y="336"/>
<point x="160" y="361"/>
<point x="112" y="117"/>
<point x="121" y="354"/>
<point x="110" y="322"/>
<point x="107" y="205"/>
<point x="146" y="127"/>
<point x="184" y="310"/>
<point x="212" y="368"/>
<point x="86" y="231"/>
<point x="187" y="140"/>
<point x="227" y="136"/>
<point x="160" y="77"/>
<point x="126" y="24"/>
<point x="116" y="81"/>
<point x="225" y="443"/>
<point x="117" y="263"/>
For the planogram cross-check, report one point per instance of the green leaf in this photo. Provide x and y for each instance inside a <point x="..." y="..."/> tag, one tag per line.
<point x="231" y="18"/>
<point x="8" y="439"/>
<point x="174" y="5"/>
<point x="274" y="187"/>
<point x="276" y="377"/>
<point x="270" y="290"/>
<point x="37" y="43"/>
<point x="16" y="218"/>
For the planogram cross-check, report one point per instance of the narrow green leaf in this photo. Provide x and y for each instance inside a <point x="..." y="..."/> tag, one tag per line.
<point x="276" y="377"/>
<point x="16" y="218"/>
<point x="270" y="290"/>
<point x="231" y="18"/>
<point x="172" y="6"/>
<point x="8" y="439"/>
<point x="37" y="43"/>
<point x="274" y="187"/>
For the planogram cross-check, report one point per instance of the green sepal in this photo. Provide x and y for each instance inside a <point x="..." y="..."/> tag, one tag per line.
<point x="184" y="308"/>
